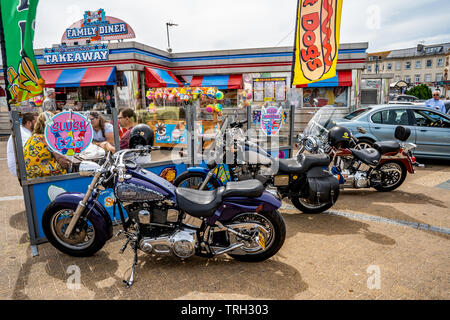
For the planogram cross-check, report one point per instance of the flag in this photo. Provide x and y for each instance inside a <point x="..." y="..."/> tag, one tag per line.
<point x="316" y="40"/>
<point x="17" y="34"/>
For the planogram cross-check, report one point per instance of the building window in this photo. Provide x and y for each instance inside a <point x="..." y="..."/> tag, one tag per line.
<point x="369" y="68"/>
<point x="429" y="63"/>
<point x="428" y="77"/>
<point x="398" y="66"/>
<point x="389" y="66"/>
<point x="408" y="79"/>
<point x="417" y="78"/>
<point x="397" y="78"/>
<point x="407" y="65"/>
<point x="418" y="64"/>
<point x="440" y="62"/>
<point x="438" y="77"/>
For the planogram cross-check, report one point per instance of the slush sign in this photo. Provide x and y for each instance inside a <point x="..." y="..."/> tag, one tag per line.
<point x="76" y="54"/>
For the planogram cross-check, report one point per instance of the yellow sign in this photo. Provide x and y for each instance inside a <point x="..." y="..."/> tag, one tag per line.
<point x="316" y="40"/>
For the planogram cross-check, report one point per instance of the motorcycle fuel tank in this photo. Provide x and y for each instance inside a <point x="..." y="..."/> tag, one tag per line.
<point x="137" y="190"/>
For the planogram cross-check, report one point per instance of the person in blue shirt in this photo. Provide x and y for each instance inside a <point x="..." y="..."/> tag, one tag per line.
<point x="436" y="103"/>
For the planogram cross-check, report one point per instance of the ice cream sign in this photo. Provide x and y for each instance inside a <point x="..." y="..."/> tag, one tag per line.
<point x="96" y="26"/>
<point x="68" y="133"/>
<point x="271" y="119"/>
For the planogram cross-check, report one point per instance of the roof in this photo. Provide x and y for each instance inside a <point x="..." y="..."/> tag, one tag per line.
<point x="382" y="54"/>
<point x="428" y="50"/>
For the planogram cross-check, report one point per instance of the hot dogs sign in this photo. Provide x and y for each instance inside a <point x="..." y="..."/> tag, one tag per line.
<point x="316" y="40"/>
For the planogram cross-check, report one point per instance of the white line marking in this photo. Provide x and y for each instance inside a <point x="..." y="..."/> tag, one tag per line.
<point x="11" y="198"/>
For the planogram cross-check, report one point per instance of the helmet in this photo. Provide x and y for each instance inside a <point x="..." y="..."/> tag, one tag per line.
<point x="141" y="135"/>
<point x="339" y="137"/>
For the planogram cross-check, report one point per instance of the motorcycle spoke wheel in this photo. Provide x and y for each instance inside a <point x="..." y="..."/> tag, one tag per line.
<point x="252" y="245"/>
<point x="82" y="236"/>
<point x="392" y="174"/>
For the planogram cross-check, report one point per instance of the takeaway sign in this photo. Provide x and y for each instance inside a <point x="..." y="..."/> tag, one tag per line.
<point x="77" y="54"/>
<point x="96" y="26"/>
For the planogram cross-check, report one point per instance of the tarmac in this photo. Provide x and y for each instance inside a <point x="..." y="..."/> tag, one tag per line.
<point x="370" y="245"/>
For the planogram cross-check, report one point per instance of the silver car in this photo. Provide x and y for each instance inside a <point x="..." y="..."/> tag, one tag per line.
<point x="430" y="129"/>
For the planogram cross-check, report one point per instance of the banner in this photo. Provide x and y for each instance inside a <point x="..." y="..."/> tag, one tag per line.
<point x="22" y="73"/>
<point x="316" y="40"/>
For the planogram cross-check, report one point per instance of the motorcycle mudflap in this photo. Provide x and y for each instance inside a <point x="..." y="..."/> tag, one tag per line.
<point x="321" y="184"/>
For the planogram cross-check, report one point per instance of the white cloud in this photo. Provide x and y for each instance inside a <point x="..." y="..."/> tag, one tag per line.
<point x="216" y="25"/>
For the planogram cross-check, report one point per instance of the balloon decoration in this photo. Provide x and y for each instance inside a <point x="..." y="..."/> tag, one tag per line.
<point x="218" y="107"/>
<point x="37" y="100"/>
<point x="210" y="108"/>
<point x="219" y="95"/>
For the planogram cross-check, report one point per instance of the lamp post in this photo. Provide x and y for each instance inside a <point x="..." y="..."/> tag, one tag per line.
<point x="169" y="24"/>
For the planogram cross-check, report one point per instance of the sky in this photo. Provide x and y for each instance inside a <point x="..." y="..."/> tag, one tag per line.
<point x="235" y="24"/>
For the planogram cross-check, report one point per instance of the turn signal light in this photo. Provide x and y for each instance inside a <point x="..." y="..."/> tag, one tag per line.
<point x="413" y="159"/>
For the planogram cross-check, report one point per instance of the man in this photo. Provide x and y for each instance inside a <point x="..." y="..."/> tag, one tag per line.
<point x="26" y="129"/>
<point x="49" y="102"/>
<point x="127" y="120"/>
<point x="436" y="103"/>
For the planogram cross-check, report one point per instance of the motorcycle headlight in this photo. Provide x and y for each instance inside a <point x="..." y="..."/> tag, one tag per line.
<point x="311" y="144"/>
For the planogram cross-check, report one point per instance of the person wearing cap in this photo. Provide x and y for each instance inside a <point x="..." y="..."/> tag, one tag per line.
<point x="436" y="103"/>
<point x="49" y="102"/>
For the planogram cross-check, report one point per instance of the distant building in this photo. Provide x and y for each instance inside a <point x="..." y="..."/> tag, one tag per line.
<point x="423" y="64"/>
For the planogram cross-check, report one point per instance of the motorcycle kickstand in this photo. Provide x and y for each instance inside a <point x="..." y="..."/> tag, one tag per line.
<point x="129" y="283"/>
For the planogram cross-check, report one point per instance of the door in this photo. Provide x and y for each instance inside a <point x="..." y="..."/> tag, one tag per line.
<point x="384" y="122"/>
<point x="432" y="133"/>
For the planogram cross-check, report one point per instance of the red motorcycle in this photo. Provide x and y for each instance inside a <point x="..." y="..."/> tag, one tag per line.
<point x="383" y="167"/>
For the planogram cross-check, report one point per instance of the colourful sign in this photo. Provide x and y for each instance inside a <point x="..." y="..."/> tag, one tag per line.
<point x="271" y="120"/>
<point x="96" y="26"/>
<point x="22" y="74"/>
<point x="78" y="54"/>
<point x="316" y="40"/>
<point x="68" y="133"/>
<point x="170" y="133"/>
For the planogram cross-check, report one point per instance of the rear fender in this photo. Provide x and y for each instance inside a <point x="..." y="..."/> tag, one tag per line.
<point x="233" y="206"/>
<point x="98" y="213"/>
<point x="405" y="160"/>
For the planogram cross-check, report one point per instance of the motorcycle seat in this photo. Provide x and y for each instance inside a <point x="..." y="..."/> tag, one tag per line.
<point x="199" y="203"/>
<point x="369" y="156"/>
<point x="203" y="203"/>
<point x="303" y="163"/>
<point x="387" y="146"/>
<point x="247" y="188"/>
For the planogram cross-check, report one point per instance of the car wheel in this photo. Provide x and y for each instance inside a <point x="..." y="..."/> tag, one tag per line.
<point x="364" y="144"/>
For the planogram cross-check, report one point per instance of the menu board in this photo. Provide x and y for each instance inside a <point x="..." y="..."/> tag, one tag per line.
<point x="280" y="90"/>
<point x="269" y="89"/>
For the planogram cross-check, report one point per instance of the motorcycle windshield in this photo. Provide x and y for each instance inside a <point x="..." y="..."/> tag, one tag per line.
<point x="322" y="121"/>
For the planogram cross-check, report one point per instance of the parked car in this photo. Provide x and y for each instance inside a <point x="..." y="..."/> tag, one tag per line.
<point x="447" y="106"/>
<point x="430" y="129"/>
<point x="405" y="97"/>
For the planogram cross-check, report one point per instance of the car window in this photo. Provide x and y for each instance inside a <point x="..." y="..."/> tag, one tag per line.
<point x="393" y="117"/>
<point x="356" y="113"/>
<point x="425" y="118"/>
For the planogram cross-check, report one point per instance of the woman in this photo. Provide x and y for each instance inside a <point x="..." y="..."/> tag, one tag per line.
<point x="103" y="132"/>
<point x="40" y="160"/>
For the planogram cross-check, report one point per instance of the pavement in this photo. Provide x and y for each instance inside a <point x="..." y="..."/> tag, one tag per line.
<point x="370" y="245"/>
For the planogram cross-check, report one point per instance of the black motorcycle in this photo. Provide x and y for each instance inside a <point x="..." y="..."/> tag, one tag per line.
<point x="305" y="182"/>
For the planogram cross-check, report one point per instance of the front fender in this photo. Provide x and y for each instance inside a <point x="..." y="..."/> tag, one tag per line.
<point x="98" y="213"/>
<point x="205" y="171"/>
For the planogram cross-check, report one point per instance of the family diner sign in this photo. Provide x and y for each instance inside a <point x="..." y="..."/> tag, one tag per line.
<point x="77" y="54"/>
<point x="316" y="40"/>
<point x="68" y="133"/>
<point x="96" y="26"/>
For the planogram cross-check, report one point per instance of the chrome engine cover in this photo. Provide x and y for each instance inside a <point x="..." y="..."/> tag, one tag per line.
<point x="361" y="180"/>
<point x="182" y="243"/>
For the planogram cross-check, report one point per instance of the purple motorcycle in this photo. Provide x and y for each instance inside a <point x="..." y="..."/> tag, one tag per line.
<point x="240" y="219"/>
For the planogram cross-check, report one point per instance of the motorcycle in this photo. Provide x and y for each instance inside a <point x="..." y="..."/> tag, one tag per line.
<point x="233" y="157"/>
<point x="383" y="167"/>
<point x="241" y="219"/>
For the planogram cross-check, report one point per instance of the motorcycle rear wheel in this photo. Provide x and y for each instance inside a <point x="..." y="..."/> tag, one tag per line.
<point x="274" y="221"/>
<point x="399" y="176"/>
<point x="194" y="180"/>
<point x="83" y="242"/>
<point x="305" y="206"/>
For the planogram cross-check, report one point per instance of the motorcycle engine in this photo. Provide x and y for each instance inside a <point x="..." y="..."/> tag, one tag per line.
<point x="361" y="180"/>
<point x="181" y="243"/>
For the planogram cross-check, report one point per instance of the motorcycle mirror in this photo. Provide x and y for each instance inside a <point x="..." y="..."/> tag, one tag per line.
<point x="315" y="103"/>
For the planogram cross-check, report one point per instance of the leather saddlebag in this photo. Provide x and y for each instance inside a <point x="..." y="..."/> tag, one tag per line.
<point x="323" y="186"/>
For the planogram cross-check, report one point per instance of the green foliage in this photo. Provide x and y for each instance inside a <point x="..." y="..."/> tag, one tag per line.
<point x="421" y="92"/>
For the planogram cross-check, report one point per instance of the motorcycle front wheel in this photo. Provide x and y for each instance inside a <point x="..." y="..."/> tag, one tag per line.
<point x="306" y="206"/>
<point x="194" y="180"/>
<point x="84" y="240"/>
<point x="273" y="223"/>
